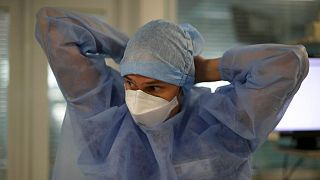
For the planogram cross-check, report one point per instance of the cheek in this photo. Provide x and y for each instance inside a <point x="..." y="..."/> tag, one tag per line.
<point x="169" y="94"/>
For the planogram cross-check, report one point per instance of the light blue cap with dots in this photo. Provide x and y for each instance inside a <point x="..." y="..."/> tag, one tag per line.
<point x="164" y="51"/>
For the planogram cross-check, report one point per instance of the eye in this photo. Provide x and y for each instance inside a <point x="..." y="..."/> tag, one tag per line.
<point x="129" y="84"/>
<point x="155" y="88"/>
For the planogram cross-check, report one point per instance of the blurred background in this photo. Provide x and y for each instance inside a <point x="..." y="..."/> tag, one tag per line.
<point x="32" y="107"/>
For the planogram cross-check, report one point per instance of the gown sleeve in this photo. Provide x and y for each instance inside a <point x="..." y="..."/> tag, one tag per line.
<point x="76" y="46"/>
<point x="264" y="79"/>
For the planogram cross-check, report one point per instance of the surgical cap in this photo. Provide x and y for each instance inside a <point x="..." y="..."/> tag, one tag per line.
<point x="164" y="51"/>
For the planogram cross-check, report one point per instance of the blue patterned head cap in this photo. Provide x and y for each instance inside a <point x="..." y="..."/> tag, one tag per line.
<point x="164" y="51"/>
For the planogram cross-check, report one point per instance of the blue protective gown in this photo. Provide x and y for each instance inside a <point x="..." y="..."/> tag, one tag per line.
<point x="211" y="138"/>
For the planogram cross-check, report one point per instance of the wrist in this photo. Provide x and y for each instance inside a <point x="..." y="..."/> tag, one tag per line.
<point x="206" y="69"/>
<point x="212" y="70"/>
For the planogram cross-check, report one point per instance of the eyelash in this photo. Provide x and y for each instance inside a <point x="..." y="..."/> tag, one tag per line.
<point x="150" y="88"/>
<point x="128" y="83"/>
<point x="155" y="88"/>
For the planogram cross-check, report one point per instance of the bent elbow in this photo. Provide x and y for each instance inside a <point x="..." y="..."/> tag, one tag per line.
<point x="301" y="61"/>
<point x="302" y="55"/>
<point x="44" y="14"/>
<point x="41" y="23"/>
<point x="49" y="12"/>
<point x="298" y="67"/>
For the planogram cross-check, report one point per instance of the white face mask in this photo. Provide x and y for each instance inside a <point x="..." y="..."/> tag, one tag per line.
<point x="148" y="110"/>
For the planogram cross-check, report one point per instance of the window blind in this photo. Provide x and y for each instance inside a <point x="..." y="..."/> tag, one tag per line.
<point x="4" y="79"/>
<point x="228" y="23"/>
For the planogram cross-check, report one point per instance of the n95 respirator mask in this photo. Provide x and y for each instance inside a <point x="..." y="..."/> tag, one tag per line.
<point x="148" y="110"/>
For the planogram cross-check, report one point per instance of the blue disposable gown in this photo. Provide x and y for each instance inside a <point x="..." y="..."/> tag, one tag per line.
<point x="211" y="138"/>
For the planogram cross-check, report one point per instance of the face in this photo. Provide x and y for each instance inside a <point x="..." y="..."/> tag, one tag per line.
<point x="151" y="86"/>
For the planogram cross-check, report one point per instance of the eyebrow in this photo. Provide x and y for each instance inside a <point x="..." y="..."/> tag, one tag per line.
<point x="153" y="82"/>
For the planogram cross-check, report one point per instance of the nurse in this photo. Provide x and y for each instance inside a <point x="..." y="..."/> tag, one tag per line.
<point x="149" y="121"/>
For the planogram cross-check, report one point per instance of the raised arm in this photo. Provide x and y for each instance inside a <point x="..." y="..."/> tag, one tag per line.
<point x="76" y="46"/>
<point x="264" y="79"/>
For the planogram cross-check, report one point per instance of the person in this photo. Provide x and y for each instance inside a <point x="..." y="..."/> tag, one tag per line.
<point x="149" y="121"/>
